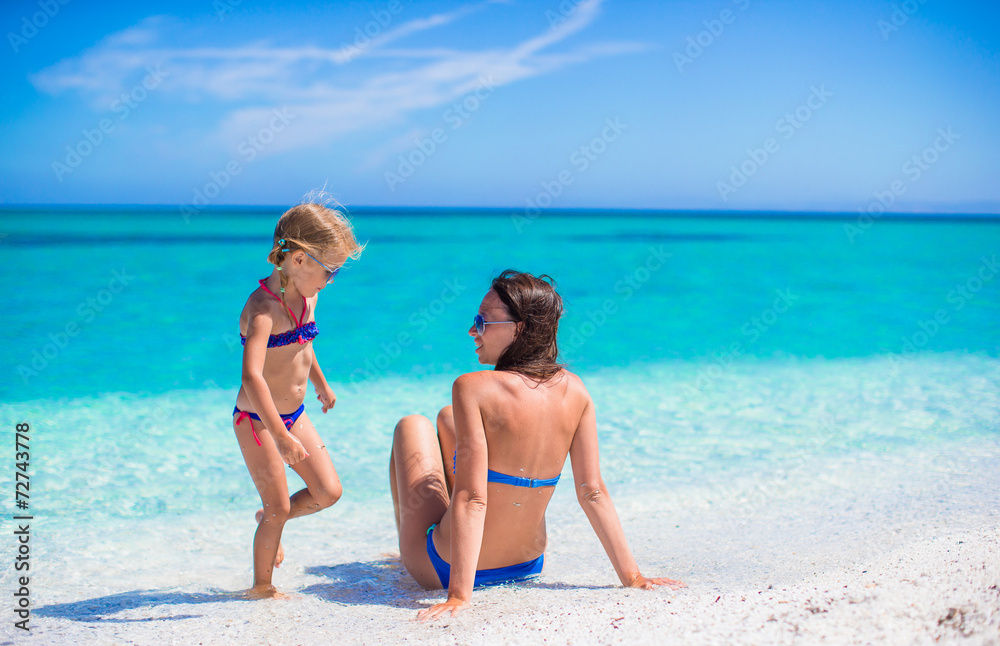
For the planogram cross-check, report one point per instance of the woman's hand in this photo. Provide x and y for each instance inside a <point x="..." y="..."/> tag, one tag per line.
<point x="326" y="396"/>
<point x="290" y="448"/>
<point x="648" y="584"/>
<point x="452" y="605"/>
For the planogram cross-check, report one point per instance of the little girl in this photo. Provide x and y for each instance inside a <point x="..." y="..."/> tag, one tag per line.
<point x="311" y="243"/>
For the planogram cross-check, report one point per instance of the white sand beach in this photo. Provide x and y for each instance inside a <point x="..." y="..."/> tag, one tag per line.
<point x="847" y="572"/>
<point x="883" y="528"/>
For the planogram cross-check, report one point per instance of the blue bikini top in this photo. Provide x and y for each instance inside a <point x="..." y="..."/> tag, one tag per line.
<point x="503" y="478"/>
<point x="302" y="333"/>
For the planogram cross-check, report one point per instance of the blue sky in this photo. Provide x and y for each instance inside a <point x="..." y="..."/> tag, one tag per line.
<point x="721" y="105"/>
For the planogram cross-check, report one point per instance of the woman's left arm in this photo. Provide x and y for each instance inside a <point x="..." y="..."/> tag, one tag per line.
<point x="468" y="500"/>
<point x="595" y="500"/>
<point x="324" y="393"/>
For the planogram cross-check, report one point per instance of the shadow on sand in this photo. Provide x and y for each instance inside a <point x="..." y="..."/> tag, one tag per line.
<point x="384" y="582"/>
<point x="97" y="610"/>
<point x="387" y="583"/>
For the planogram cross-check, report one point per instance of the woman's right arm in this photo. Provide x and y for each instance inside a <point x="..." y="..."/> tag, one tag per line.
<point x="468" y="499"/>
<point x="258" y="331"/>
<point x="596" y="502"/>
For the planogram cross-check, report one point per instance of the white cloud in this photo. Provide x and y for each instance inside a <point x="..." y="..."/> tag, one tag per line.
<point x="327" y="97"/>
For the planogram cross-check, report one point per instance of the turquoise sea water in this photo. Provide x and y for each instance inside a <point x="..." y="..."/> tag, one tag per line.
<point x="126" y="301"/>
<point x="720" y="351"/>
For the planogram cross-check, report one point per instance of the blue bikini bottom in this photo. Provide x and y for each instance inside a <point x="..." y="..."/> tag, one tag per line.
<point x="492" y="576"/>
<point x="288" y="419"/>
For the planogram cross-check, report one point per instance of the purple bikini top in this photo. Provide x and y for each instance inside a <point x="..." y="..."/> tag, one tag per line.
<point x="302" y="333"/>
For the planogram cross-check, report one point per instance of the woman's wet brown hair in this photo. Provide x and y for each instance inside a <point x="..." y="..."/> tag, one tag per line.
<point x="533" y="302"/>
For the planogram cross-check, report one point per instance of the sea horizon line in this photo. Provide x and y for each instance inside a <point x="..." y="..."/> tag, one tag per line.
<point x="460" y="211"/>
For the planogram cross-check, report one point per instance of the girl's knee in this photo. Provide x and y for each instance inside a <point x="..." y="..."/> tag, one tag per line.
<point x="277" y="511"/>
<point x="330" y="495"/>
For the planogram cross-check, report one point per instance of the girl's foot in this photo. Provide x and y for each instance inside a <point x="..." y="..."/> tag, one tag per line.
<point x="280" y="555"/>
<point x="264" y="591"/>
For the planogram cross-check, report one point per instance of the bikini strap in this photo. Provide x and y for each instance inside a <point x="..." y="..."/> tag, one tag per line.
<point x="304" y="303"/>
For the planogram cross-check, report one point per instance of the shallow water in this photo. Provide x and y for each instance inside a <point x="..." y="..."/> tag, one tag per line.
<point x="740" y="367"/>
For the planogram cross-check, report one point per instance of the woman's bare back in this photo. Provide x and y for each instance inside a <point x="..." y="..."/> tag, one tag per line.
<point x="529" y="428"/>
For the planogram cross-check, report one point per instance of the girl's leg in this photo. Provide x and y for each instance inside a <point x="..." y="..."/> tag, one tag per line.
<point x="446" y="438"/>
<point x="419" y="493"/>
<point x="323" y="486"/>
<point x="268" y="472"/>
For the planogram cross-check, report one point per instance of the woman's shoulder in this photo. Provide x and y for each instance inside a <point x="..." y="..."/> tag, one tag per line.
<point x="475" y="379"/>
<point x="486" y="379"/>
<point x="574" y="384"/>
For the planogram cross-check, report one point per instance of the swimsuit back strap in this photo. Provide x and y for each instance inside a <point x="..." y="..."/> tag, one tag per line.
<point x="503" y="478"/>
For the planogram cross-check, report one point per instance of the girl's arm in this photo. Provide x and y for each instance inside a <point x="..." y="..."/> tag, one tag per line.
<point x="258" y="392"/>
<point x="324" y="393"/>
<point x="468" y="499"/>
<point x="596" y="502"/>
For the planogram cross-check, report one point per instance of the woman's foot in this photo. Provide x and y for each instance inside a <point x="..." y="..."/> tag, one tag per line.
<point x="280" y="555"/>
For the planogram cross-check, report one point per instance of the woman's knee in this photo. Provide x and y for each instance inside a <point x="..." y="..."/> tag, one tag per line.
<point x="411" y="424"/>
<point x="446" y="420"/>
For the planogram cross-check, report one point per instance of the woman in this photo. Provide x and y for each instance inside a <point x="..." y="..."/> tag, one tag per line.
<point x="499" y="450"/>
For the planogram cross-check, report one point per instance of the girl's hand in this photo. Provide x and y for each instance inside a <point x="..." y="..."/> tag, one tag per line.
<point x="648" y="584"/>
<point x="439" y="609"/>
<point x="326" y="396"/>
<point x="290" y="448"/>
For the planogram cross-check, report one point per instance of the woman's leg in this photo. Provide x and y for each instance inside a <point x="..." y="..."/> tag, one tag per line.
<point x="267" y="470"/>
<point x="419" y="493"/>
<point x="446" y="438"/>
<point x="323" y="486"/>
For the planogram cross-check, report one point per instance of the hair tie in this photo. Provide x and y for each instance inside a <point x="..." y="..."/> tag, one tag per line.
<point x="281" y="242"/>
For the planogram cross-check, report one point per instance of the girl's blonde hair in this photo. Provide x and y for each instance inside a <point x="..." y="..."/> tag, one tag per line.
<point x="315" y="229"/>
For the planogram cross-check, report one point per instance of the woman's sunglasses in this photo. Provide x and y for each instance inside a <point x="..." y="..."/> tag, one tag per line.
<point x="481" y="324"/>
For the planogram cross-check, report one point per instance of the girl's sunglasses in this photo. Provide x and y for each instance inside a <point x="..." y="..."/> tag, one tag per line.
<point x="333" y="272"/>
<point x="481" y="324"/>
